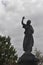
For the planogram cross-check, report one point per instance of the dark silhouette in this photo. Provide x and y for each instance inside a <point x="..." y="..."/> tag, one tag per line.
<point x="28" y="39"/>
<point x="28" y="58"/>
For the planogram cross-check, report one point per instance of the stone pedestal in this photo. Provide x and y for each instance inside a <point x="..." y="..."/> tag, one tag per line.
<point x="28" y="59"/>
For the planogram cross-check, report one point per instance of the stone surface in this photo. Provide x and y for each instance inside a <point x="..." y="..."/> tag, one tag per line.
<point x="28" y="59"/>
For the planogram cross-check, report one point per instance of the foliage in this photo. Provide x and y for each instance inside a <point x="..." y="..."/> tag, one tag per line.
<point x="8" y="54"/>
<point x="39" y="56"/>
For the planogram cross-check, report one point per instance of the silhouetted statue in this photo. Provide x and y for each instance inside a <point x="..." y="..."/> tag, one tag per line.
<point x="28" y="58"/>
<point x="28" y="39"/>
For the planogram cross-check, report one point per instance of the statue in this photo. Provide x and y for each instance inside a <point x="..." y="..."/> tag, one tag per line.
<point x="28" y="38"/>
<point x="28" y="58"/>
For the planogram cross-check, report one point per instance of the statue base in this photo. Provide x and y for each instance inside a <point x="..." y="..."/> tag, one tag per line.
<point x="28" y="59"/>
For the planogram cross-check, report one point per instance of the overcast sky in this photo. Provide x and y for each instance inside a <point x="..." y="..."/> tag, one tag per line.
<point x="11" y="13"/>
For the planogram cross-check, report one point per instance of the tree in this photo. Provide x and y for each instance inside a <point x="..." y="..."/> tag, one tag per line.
<point x="8" y="54"/>
<point x="39" y="56"/>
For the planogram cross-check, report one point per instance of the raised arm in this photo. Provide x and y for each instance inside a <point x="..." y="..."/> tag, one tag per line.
<point x="24" y="25"/>
<point x="23" y="20"/>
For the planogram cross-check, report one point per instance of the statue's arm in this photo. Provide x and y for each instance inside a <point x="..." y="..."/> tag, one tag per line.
<point x="24" y="25"/>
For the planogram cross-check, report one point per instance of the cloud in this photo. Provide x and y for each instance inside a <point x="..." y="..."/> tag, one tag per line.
<point x="9" y="14"/>
<point x="13" y="5"/>
<point x="33" y="7"/>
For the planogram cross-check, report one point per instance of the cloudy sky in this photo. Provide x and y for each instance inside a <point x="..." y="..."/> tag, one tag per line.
<point x="11" y="13"/>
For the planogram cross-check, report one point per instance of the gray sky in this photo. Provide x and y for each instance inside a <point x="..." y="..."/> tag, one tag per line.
<point x="11" y="13"/>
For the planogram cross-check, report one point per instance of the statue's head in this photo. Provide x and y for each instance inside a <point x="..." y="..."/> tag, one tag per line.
<point x="28" y="22"/>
